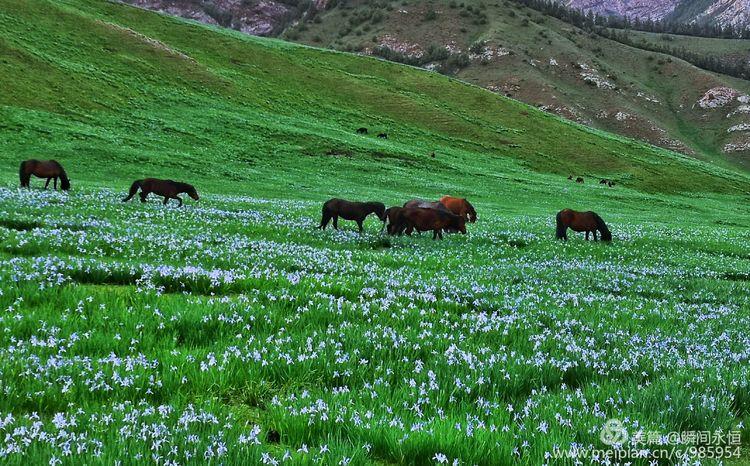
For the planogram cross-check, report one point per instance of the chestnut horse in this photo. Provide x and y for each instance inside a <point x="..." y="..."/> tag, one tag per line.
<point x="50" y="169"/>
<point x="422" y="204"/>
<point x="460" y="206"/>
<point x="167" y="188"/>
<point x="420" y="219"/>
<point x="588" y="222"/>
<point x="357" y="211"/>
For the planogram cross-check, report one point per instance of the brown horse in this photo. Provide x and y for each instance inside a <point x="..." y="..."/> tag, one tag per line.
<point x="391" y="215"/>
<point x="588" y="222"/>
<point x="460" y="206"/>
<point x="357" y="211"/>
<point x="423" y="204"/>
<point x="50" y="169"/>
<point x="420" y="219"/>
<point x="167" y="188"/>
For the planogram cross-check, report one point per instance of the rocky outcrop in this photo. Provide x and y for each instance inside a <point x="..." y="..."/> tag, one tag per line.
<point x="722" y="12"/>
<point x="256" y="17"/>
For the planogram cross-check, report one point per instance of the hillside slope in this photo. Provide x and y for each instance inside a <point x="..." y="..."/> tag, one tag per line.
<point x="121" y="91"/>
<point x="518" y="52"/>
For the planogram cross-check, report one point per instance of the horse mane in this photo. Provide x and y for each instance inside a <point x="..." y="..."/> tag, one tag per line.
<point x="64" y="180"/>
<point x="22" y="175"/>
<point x="561" y="227"/>
<point x="606" y="234"/>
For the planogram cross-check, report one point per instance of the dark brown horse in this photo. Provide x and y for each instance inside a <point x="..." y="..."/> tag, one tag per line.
<point x="420" y="219"/>
<point x="167" y="188"/>
<point x="460" y="206"/>
<point x="50" y="169"/>
<point x="588" y="222"/>
<point x="391" y="214"/>
<point x="579" y="179"/>
<point x="357" y="211"/>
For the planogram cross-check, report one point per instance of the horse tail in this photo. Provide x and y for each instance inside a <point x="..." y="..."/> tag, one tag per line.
<point x="23" y="176"/>
<point x="561" y="227"/>
<point x="602" y="227"/>
<point x="137" y="184"/>
<point x="64" y="180"/>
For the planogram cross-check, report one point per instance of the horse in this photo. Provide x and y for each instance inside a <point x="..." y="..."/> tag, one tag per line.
<point x="423" y="204"/>
<point x="391" y="214"/>
<point x="421" y="219"/>
<point x="604" y="181"/>
<point x="357" y="211"/>
<point x="460" y="206"/>
<point x="588" y="222"/>
<point x="382" y="136"/>
<point x="167" y="188"/>
<point x="579" y="180"/>
<point x="50" y="169"/>
<point x="362" y="130"/>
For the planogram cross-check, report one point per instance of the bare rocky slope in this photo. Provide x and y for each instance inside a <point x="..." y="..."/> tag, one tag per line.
<point x="521" y="53"/>
<point x="722" y="12"/>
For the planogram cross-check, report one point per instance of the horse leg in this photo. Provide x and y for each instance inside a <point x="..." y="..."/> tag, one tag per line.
<point x="47" y="183"/>
<point x="359" y="224"/>
<point x="324" y="221"/>
<point x="587" y="236"/>
<point x="166" y="199"/>
<point x="336" y="222"/>
<point x="144" y="195"/>
<point x="180" y="201"/>
<point x="595" y="238"/>
<point x="55" y="184"/>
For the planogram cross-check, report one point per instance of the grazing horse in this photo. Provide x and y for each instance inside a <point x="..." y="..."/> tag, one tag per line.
<point x="357" y="211"/>
<point x="588" y="222"/>
<point x="604" y="181"/>
<point x="391" y="215"/>
<point x="383" y="136"/>
<point x="460" y="206"/>
<point x="421" y="219"/>
<point x="362" y="130"/>
<point x="423" y="204"/>
<point x="50" y="169"/>
<point x="579" y="180"/>
<point x="167" y="188"/>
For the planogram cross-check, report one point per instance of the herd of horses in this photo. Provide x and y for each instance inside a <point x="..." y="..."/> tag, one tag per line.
<point x="449" y="214"/>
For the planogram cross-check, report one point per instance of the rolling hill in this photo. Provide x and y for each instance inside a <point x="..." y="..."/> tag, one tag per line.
<point x="106" y="85"/>
<point x="517" y="52"/>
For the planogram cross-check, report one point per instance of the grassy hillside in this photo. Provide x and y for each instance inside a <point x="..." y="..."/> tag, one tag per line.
<point x="233" y="331"/>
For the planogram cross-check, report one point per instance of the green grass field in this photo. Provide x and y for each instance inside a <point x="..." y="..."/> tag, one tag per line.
<point x="232" y="331"/>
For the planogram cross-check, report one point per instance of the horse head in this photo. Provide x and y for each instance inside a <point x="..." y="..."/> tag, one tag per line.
<point x="193" y="193"/>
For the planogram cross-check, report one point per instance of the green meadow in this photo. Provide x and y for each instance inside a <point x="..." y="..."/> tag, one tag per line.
<point x="233" y="331"/>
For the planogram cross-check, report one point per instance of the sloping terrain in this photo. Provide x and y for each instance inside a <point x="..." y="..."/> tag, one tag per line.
<point x="734" y="13"/>
<point x="104" y="84"/>
<point x="519" y="52"/>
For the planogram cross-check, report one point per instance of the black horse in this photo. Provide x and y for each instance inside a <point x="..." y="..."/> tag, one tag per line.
<point x="357" y="211"/>
<point x="362" y="130"/>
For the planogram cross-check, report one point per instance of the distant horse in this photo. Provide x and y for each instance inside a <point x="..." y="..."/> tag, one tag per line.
<point x="383" y="136"/>
<point x="604" y="181"/>
<point x="420" y="219"/>
<point x="361" y="130"/>
<point x="579" y="180"/>
<point x="391" y="214"/>
<point x="167" y="188"/>
<point x="50" y="169"/>
<point x="460" y="206"/>
<point x="588" y="222"/>
<point x="357" y="211"/>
